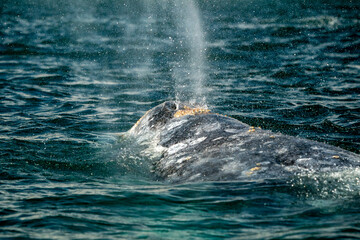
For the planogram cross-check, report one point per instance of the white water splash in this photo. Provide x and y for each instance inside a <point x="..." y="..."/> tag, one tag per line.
<point x="337" y="184"/>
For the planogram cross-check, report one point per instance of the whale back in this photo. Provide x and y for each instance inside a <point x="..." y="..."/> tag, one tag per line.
<point x="197" y="145"/>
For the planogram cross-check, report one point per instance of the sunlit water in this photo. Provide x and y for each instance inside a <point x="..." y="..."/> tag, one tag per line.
<point x="75" y="74"/>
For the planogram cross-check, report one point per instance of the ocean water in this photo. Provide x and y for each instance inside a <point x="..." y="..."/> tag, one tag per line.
<point x="76" y="74"/>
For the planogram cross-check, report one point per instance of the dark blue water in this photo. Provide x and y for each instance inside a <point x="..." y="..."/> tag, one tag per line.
<point x="75" y="74"/>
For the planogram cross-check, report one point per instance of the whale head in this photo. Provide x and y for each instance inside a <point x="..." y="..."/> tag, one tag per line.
<point x="160" y="115"/>
<point x="155" y="117"/>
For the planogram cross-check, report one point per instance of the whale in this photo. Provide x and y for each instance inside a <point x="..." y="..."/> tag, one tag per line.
<point x="193" y="144"/>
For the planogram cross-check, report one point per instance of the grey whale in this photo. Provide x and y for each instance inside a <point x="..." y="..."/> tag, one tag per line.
<point x="197" y="145"/>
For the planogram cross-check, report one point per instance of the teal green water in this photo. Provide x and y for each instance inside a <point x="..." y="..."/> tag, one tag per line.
<point x="75" y="74"/>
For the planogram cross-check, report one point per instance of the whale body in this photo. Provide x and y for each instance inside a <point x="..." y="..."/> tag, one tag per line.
<point x="197" y="145"/>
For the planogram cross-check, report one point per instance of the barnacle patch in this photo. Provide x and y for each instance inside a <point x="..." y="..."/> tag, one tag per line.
<point x="190" y="111"/>
<point x="252" y="170"/>
<point x="251" y="129"/>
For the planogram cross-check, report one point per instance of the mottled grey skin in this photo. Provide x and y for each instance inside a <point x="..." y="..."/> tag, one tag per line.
<point x="212" y="147"/>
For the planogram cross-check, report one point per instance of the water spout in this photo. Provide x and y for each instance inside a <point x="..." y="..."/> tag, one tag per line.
<point x="189" y="74"/>
<point x="186" y="47"/>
